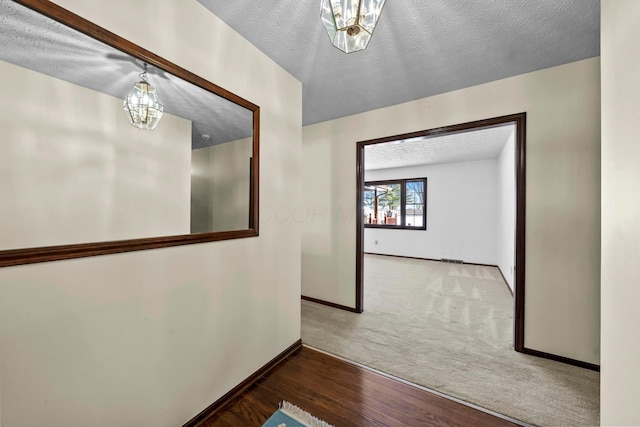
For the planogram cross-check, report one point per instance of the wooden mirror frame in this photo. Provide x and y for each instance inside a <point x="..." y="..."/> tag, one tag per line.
<point x="52" y="253"/>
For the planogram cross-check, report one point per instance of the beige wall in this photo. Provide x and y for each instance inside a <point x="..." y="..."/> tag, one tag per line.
<point x="76" y="174"/>
<point x="201" y="217"/>
<point x="153" y="337"/>
<point x="620" y="376"/>
<point x="221" y="185"/>
<point x="563" y="195"/>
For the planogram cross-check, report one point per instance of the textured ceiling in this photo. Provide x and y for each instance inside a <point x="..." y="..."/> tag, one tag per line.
<point x="38" y="43"/>
<point x="481" y="144"/>
<point x="420" y="48"/>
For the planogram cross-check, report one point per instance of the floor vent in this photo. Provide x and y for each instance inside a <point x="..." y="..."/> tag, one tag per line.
<point x="453" y="261"/>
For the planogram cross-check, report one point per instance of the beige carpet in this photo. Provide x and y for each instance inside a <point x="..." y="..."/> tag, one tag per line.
<point x="448" y="327"/>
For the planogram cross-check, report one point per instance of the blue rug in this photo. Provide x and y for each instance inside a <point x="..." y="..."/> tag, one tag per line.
<point x="290" y="415"/>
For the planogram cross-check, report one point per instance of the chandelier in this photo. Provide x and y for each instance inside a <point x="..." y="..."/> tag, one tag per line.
<point x="350" y="23"/>
<point x="142" y="105"/>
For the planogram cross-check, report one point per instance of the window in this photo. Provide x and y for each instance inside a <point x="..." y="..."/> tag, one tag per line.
<point x="399" y="203"/>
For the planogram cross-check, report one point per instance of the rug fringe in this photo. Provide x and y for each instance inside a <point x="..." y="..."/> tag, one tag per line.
<point x="301" y="415"/>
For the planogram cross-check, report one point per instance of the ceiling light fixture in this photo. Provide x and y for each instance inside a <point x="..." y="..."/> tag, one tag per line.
<point x="142" y="105"/>
<point x="350" y="23"/>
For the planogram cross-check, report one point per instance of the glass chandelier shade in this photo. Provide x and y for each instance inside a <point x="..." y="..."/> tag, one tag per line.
<point x="350" y="23"/>
<point x="142" y="105"/>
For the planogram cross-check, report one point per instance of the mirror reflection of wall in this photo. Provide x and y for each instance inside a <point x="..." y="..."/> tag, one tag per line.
<point x="220" y="183"/>
<point x="73" y="169"/>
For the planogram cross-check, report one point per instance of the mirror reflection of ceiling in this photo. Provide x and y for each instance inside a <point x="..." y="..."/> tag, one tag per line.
<point x="483" y="144"/>
<point x="34" y="41"/>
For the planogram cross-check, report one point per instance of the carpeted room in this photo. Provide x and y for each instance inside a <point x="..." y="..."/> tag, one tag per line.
<point x="449" y="325"/>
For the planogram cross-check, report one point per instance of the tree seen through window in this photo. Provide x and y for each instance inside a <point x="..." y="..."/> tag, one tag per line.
<point x="395" y="204"/>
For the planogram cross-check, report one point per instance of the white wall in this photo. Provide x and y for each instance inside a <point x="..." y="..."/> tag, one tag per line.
<point x="104" y="181"/>
<point x="563" y="195"/>
<point x="620" y="375"/>
<point x="154" y="337"/>
<point x="506" y="227"/>
<point x="462" y="202"/>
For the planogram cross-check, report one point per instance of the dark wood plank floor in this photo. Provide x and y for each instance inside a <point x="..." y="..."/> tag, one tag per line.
<point x="345" y="395"/>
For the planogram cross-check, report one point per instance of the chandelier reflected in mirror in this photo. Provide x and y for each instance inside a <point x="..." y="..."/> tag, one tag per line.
<point x="142" y="105"/>
<point x="350" y="23"/>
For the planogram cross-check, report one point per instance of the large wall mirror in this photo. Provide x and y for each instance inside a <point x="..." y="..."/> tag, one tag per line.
<point x="77" y="179"/>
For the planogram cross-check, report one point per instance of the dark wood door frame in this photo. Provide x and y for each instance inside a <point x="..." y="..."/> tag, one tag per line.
<point x="519" y="120"/>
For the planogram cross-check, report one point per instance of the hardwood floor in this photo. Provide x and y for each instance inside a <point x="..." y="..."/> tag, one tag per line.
<point x="345" y="395"/>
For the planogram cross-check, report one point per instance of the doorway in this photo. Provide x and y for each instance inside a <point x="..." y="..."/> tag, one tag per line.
<point x="517" y="120"/>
